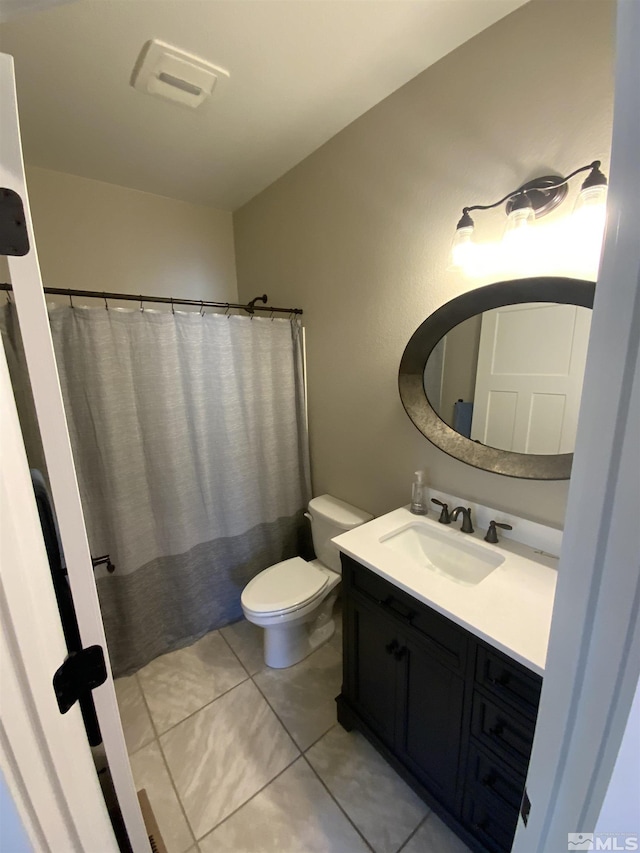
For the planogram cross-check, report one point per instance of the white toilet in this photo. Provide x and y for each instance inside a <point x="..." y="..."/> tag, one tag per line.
<point x="293" y="600"/>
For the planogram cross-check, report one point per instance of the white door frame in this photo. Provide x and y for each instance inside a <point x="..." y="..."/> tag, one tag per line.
<point x="38" y="346"/>
<point x="45" y="756"/>
<point x="593" y="661"/>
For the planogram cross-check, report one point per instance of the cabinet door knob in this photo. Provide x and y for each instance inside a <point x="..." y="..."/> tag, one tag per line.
<point x="497" y="730"/>
<point x="400" y="653"/>
<point x="391" y="647"/>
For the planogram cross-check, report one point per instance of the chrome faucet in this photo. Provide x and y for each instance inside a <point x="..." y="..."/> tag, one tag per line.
<point x="467" y="527"/>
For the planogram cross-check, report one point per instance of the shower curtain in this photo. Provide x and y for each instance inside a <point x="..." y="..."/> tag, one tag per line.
<point x="189" y="439"/>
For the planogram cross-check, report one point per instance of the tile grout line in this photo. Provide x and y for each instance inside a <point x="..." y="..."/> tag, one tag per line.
<point x="281" y="721"/>
<point x="318" y="739"/>
<point x="301" y="754"/>
<point x="166" y="765"/>
<point x="411" y="834"/>
<point x="324" y="785"/>
<point x="277" y="716"/>
<point x="244" y="681"/>
<point x="206" y="705"/>
<point x="252" y="797"/>
<point x="233" y="651"/>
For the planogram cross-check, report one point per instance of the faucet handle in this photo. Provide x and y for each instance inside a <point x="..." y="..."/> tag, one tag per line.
<point x="492" y="533"/>
<point x="445" y="518"/>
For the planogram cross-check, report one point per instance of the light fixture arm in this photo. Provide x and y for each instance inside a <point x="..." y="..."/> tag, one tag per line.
<point x="559" y="182"/>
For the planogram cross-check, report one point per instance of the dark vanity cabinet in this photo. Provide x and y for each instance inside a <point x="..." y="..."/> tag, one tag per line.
<point x="454" y="716"/>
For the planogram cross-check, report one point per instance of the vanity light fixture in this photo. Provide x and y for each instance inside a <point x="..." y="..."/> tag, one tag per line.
<point x="530" y="201"/>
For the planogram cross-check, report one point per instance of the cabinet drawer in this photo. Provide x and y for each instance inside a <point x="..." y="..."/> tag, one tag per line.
<point x="489" y="821"/>
<point x="486" y="773"/>
<point x="503" y="732"/>
<point x="443" y="636"/>
<point x="508" y="680"/>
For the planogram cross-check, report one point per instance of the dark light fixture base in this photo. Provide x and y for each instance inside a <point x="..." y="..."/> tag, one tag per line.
<point x="545" y="194"/>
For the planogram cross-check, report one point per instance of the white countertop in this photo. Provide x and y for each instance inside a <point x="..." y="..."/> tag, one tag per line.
<point x="510" y="609"/>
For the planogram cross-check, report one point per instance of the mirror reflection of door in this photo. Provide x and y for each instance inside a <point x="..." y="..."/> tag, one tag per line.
<point x="511" y="378"/>
<point x="529" y="378"/>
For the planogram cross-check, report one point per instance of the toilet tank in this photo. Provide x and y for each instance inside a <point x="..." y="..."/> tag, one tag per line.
<point x="330" y="517"/>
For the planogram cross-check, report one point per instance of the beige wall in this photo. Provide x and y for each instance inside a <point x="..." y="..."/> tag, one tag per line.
<point x="96" y="236"/>
<point x="358" y="235"/>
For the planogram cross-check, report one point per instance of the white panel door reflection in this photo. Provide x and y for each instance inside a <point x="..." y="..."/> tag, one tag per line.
<point x="529" y="378"/>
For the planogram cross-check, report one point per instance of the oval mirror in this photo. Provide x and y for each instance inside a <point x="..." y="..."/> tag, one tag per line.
<point x="494" y="377"/>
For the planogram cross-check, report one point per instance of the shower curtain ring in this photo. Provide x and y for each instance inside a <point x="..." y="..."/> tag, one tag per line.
<point x="141" y="305"/>
<point x="271" y="316"/>
<point x="202" y="307"/>
<point x="106" y="304"/>
<point x="172" y="308"/>
<point x="226" y="313"/>
<point x="70" y="301"/>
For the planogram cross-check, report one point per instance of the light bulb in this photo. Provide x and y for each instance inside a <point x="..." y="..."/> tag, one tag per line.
<point x="591" y="199"/>
<point x="462" y="248"/>
<point x="588" y="222"/>
<point x="517" y="226"/>
<point x="590" y="209"/>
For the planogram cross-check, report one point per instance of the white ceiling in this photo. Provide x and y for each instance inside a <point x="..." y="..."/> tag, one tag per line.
<point x="301" y="70"/>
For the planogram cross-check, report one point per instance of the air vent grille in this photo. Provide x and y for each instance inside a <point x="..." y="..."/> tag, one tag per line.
<point x="168" y="72"/>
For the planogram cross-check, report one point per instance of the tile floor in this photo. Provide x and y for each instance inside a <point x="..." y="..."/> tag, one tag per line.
<point x="239" y="758"/>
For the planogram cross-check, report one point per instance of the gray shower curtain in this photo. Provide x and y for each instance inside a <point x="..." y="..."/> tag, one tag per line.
<point x="189" y="439"/>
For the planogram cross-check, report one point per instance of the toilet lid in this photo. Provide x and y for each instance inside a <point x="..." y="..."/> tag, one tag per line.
<point x="285" y="586"/>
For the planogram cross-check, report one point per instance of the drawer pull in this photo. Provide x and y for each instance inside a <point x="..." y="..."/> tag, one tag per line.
<point x="399" y="609"/>
<point x="400" y="653"/>
<point x="391" y="647"/>
<point x="481" y="825"/>
<point x="497" y="730"/>
<point x="501" y="681"/>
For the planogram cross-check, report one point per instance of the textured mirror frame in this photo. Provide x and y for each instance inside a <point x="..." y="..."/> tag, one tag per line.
<point x="568" y="291"/>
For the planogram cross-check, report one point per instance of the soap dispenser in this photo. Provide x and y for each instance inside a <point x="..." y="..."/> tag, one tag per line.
<point x="418" y="498"/>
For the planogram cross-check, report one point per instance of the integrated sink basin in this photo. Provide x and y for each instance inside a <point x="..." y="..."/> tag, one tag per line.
<point x="444" y="552"/>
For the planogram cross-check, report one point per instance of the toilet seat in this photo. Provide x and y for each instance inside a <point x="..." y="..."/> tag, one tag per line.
<point x="284" y="587"/>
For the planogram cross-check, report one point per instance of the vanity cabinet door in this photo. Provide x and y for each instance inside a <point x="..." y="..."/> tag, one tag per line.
<point x="429" y="731"/>
<point x="371" y="667"/>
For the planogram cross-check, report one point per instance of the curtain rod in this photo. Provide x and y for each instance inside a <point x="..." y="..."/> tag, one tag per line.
<point x="250" y="307"/>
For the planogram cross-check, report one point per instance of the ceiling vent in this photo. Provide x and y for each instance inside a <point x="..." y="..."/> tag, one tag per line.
<point x="171" y="73"/>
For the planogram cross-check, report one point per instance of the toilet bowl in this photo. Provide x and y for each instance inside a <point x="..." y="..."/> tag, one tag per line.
<point x="293" y="600"/>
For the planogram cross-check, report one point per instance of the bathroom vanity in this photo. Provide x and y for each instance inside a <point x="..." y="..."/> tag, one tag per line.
<point x="444" y="676"/>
